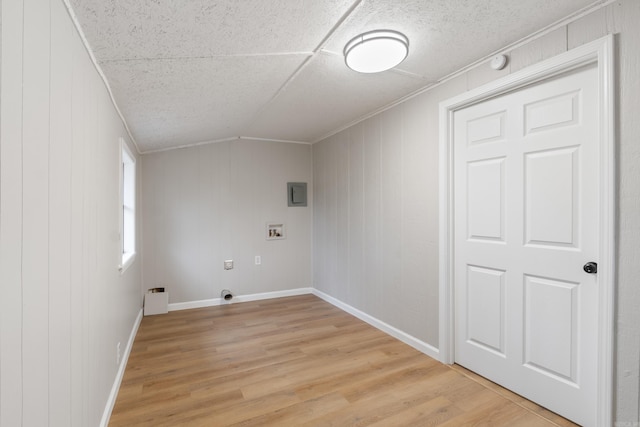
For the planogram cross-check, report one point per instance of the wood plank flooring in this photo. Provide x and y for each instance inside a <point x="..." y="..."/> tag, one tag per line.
<point x="299" y="361"/>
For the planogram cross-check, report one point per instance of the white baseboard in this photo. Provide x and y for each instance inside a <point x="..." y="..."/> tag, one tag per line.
<point x="123" y="365"/>
<point x="238" y="298"/>
<point x="194" y="304"/>
<point x="419" y="345"/>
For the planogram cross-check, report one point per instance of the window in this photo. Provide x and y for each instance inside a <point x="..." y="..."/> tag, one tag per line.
<point x="128" y="204"/>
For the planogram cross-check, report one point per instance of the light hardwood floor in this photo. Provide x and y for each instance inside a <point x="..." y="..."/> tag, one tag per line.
<point x="299" y="361"/>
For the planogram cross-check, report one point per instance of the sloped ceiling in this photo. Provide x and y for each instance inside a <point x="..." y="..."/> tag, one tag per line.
<point x="190" y="71"/>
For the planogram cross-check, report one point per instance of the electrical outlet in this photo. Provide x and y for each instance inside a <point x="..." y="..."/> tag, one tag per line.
<point x="228" y="264"/>
<point x="118" y="354"/>
<point x="258" y="260"/>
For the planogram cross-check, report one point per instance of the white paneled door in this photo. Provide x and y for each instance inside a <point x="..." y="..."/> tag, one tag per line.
<point x="526" y="180"/>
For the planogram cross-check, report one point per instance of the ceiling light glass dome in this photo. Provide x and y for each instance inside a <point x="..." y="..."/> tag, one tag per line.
<point x="376" y="51"/>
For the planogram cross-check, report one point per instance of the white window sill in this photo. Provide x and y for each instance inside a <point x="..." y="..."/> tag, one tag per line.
<point x="127" y="260"/>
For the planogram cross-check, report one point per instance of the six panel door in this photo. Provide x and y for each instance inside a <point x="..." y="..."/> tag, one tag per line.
<point x="526" y="221"/>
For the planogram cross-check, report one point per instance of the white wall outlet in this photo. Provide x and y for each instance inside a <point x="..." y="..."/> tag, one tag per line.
<point x="228" y="264"/>
<point x="118" y="354"/>
<point x="258" y="260"/>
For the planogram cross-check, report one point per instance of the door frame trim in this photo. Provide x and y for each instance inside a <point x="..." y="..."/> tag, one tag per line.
<point x="601" y="53"/>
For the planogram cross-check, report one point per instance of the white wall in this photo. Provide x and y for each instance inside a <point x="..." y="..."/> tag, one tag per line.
<point x="64" y="306"/>
<point x="376" y="199"/>
<point x="204" y="204"/>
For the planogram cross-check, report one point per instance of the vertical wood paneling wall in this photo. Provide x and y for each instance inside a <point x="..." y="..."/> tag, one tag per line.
<point x="63" y="304"/>
<point x="204" y="204"/>
<point x="376" y="198"/>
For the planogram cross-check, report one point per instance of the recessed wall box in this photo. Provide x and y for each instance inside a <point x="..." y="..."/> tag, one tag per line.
<point x="275" y="231"/>
<point x="297" y="193"/>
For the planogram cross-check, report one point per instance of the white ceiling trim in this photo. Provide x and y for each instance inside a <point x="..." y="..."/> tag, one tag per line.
<point x="505" y="50"/>
<point x="356" y="4"/>
<point x="76" y="24"/>
<point x="217" y="141"/>
<point x="197" y="144"/>
<point x="540" y="33"/>
<point x="307" y="61"/>
<point x="237" y="55"/>
<point x="376" y="112"/>
<point x="286" y="141"/>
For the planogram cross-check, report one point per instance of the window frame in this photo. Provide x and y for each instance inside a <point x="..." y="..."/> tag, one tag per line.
<point x="127" y="201"/>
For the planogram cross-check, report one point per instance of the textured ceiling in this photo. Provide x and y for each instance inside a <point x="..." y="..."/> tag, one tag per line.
<point x="190" y="71"/>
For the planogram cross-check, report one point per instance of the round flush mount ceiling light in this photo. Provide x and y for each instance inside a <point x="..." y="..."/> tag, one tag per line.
<point x="376" y="51"/>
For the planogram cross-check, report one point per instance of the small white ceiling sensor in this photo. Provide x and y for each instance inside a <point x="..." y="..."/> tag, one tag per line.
<point x="376" y="51"/>
<point x="498" y="62"/>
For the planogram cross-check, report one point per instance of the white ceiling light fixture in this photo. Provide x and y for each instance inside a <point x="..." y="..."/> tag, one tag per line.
<point x="376" y="51"/>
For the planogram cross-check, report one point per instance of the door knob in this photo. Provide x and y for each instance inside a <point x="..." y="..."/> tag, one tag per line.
<point x="591" y="267"/>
